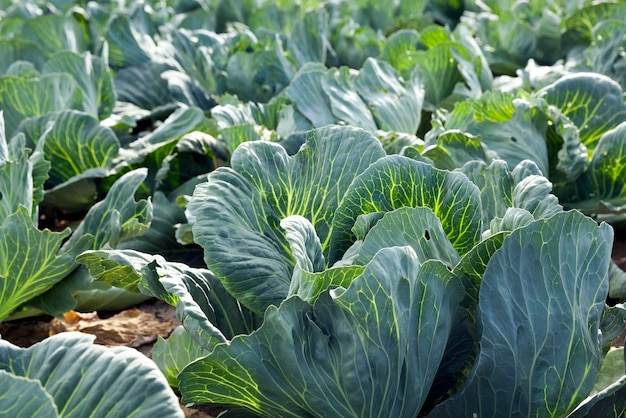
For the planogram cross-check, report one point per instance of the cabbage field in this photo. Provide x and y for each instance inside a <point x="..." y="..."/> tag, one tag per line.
<point x="358" y="208"/>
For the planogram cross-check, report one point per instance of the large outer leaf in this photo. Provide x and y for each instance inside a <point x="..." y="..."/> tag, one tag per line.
<point x="53" y="33"/>
<point x="345" y="102"/>
<point x="108" y="222"/>
<point x="93" y="77"/>
<point x="541" y="301"/>
<point x="309" y="37"/>
<point x="239" y="209"/>
<point x="116" y="217"/>
<point x="24" y="398"/>
<point x="87" y="380"/>
<point x="593" y="102"/>
<point x="306" y="91"/>
<point x="17" y="49"/>
<point x="28" y="260"/>
<point x="394" y="106"/>
<point x="369" y="351"/>
<point x="23" y="98"/>
<point x="77" y="145"/>
<point x="394" y="182"/>
<point x="210" y="315"/>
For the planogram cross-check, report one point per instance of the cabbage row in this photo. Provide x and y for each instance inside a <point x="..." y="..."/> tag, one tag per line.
<point x="358" y="209"/>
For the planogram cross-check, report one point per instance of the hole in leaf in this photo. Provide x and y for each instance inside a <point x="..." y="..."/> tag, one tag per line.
<point x="427" y="235"/>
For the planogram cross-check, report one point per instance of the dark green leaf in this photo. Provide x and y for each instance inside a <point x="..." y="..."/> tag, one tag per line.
<point x="355" y="353"/>
<point x="28" y="262"/>
<point x="540" y="308"/>
<point x="84" y="379"/>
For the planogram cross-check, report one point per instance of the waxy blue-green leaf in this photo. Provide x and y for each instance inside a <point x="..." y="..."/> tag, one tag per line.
<point x="21" y="176"/>
<point x="581" y="23"/>
<point x="602" y="187"/>
<point x="308" y="40"/>
<point x="455" y="148"/>
<point x="395" y="107"/>
<point x="165" y="137"/>
<point x="400" y="50"/>
<point x="511" y="33"/>
<point x="376" y="97"/>
<point x="513" y="129"/>
<point x="116" y="217"/>
<point x="540" y="309"/>
<point x="199" y="54"/>
<point x="502" y="188"/>
<point x="394" y="182"/>
<point x="371" y="350"/>
<point x="93" y="77"/>
<point x="29" y="264"/>
<point x="144" y="86"/>
<point x="175" y="353"/>
<point x="610" y="403"/>
<point x="472" y="266"/>
<point x="128" y="43"/>
<point x="304" y="243"/>
<point x="513" y="218"/>
<point x="307" y="92"/>
<point x="54" y="33"/>
<point x="259" y="75"/>
<point x="354" y="42"/>
<point x="345" y="102"/>
<point x="567" y="155"/>
<point x="437" y="68"/>
<point x="84" y="379"/>
<point x="77" y="146"/>
<point x="108" y="222"/>
<point x="608" y="398"/>
<point x="593" y="102"/>
<point x="238" y="211"/>
<point x="161" y="238"/>
<point x="418" y="228"/>
<point x="21" y="397"/>
<point x="309" y="285"/>
<point x="208" y="313"/>
<point x="48" y="94"/>
<point x="17" y="49"/>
